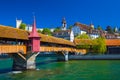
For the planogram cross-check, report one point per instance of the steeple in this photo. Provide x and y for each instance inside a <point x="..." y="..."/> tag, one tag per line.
<point x="34" y="31"/>
<point x="91" y="24"/>
<point x="116" y="29"/>
<point x="64" y="24"/>
<point x="34" y="39"/>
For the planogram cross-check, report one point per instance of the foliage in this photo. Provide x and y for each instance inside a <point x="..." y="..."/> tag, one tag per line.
<point x="70" y="27"/>
<point x="57" y="29"/>
<point x="109" y="29"/>
<point x="46" y="31"/>
<point x="39" y="31"/>
<point x="99" y="27"/>
<point x="83" y="36"/>
<point x="100" y="47"/>
<point x="22" y="26"/>
<point x="94" y="45"/>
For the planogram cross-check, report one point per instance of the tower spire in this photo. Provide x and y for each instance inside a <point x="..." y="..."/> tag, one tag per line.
<point x="34" y="30"/>
<point x="91" y="23"/>
<point x="64" y="25"/>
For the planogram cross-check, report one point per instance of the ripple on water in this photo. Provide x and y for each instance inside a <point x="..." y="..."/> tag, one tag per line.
<point x="72" y="70"/>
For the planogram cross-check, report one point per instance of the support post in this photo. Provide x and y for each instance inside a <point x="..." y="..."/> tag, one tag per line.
<point x="31" y="61"/>
<point x="66" y="56"/>
<point x="19" y="61"/>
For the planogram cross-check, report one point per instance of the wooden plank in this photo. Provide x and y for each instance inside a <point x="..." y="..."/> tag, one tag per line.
<point x="12" y="48"/>
<point x="56" y="49"/>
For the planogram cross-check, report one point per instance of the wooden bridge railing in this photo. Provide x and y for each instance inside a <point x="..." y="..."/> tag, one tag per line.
<point x="18" y="48"/>
<point x="12" y="48"/>
<point x="56" y="49"/>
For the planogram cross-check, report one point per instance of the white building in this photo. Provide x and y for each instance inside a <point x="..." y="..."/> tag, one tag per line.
<point x="18" y="23"/>
<point x="79" y="29"/>
<point x="64" y="32"/>
<point x="64" y="24"/>
<point x="28" y="27"/>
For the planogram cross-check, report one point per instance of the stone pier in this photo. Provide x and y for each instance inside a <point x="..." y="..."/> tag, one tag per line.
<point x="21" y="62"/>
<point x="63" y="56"/>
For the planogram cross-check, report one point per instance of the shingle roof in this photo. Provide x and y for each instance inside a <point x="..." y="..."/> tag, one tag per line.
<point x="109" y="42"/>
<point x="82" y="26"/>
<point x="51" y="39"/>
<point x="14" y="33"/>
<point x="83" y="42"/>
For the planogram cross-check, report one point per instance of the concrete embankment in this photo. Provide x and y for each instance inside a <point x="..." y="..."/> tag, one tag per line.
<point x="94" y="57"/>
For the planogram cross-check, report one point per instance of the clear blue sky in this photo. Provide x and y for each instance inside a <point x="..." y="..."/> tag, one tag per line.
<point x="49" y="13"/>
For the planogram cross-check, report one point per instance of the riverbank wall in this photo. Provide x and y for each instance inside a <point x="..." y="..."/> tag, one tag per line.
<point x="94" y="57"/>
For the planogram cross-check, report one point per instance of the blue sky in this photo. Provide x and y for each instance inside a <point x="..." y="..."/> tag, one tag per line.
<point x="49" y="13"/>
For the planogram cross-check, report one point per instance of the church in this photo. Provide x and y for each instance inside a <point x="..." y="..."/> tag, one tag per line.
<point x="64" y="32"/>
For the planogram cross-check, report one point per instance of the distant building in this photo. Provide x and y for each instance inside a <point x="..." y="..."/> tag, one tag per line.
<point x="79" y="28"/>
<point x="112" y="36"/>
<point x="64" y="32"/>
<point x="41" y="29"/>
<point x="64" y="24"/>
<point x="18" y="23"/>
<point x="28" y="28"/>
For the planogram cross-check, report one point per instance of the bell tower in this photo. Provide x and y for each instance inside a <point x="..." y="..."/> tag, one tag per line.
<point x="64" y="24"/>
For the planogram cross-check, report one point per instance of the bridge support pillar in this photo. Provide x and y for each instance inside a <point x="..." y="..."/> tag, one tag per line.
<point x="62" y="56"/>
<point x="31" y="61"/>
<point x="66" y="56"/>
<point x="19" y="61"/>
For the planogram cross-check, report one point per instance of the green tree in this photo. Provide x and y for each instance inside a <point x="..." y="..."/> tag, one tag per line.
<point x="70" y="27"/>
<point x="57" y="29"/>
<point x="100" y="47"/>
<point x="109" y="29"/>
<point x="39" y="31"/>
<point x="99" y="27"/>
<point x="83" y="36"/>
<point x="95" y="46"/>
<point x="46" y="31"/>
<point x="22" y="26"/>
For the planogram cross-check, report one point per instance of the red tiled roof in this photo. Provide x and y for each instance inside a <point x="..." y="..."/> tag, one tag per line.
<point x="109" y="42"/>
<point x="82" y="26"/>
<point x="112" y="42"/>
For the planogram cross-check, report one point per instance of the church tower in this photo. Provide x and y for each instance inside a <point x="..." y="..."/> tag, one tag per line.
<point x="92" y="26"/>
<point x="18" y="23"/>
<point x="64" y="25"/>
<point x="116" y="29"/>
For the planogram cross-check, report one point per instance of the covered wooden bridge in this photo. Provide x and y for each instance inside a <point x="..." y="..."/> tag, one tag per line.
<point x="19" y="45"/>
<point x="13" y="40"/>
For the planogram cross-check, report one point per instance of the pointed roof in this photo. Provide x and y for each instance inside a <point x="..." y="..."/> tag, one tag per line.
<point x="34" y="32"/>
<point x="63" y="20"/>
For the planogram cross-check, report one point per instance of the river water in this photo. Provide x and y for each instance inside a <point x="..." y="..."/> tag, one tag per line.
<point x="49" y="69"/>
